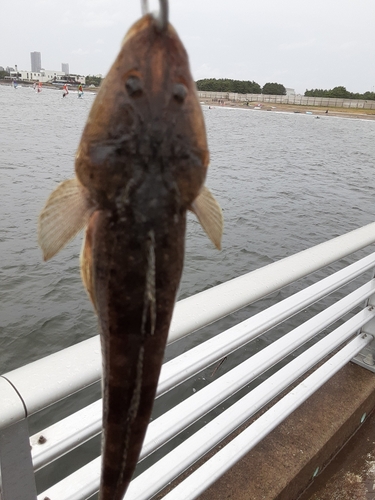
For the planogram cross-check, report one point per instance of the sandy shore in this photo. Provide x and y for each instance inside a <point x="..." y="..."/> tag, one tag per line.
<point x="367" y="114"/>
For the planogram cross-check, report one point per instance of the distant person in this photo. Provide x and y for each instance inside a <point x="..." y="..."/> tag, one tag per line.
<point x="80" y="90"/>
<point x="65" y="90"/>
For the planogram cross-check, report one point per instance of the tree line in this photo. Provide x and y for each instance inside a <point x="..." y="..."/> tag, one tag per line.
<point x="340" y="93"/>
<point x="93" y="80"/>
<point x="239" y="86"/>
<point x="251" y="87"/>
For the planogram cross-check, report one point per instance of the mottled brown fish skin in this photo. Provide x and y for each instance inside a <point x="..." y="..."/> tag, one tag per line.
<point x="143" y="157"/>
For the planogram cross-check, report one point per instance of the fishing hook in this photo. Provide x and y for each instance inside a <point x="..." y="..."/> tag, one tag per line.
<point x="162" y="17"/>
<point x="145" y="7"/>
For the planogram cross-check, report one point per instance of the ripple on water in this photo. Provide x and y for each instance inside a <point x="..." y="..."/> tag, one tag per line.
<point x="285" y="182"/>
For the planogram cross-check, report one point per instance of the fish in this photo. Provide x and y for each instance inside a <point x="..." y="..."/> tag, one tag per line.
<point x="140" y="166"/>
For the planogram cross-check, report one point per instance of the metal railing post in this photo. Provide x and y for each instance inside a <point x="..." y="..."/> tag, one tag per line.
<point x="17" y="475"/>
<point x="366" y="357"/>
<point x="17" y="480"/>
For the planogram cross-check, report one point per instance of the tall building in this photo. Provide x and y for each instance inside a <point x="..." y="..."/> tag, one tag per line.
<point x="36" y="62"/>
<point x="65" y="68"/>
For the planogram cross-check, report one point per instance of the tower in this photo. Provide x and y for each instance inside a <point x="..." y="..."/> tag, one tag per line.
<point x="36" y="62"/>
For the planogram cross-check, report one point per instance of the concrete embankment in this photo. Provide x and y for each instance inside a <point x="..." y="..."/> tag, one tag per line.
<point x="325" y="450"/>
<point x="334" y="422"/>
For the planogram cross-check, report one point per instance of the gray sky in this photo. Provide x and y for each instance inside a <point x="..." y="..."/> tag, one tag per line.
<point x="301" y="44"/>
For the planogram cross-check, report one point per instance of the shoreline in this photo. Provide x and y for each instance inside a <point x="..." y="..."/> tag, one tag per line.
<point x="48" y="85"/>
<point x="364" y="114"/>
<point x="317" y="111"/>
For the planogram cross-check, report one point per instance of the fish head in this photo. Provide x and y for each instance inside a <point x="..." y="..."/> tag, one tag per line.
<point x="146" y="121"/>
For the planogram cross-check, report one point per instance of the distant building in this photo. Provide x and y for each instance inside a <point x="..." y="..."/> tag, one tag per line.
<point x="1" y="68"/>
<point x="8" y="69"/>
<point x="36" y="62"/>
<point x="290" y="92"/>
<point x="44" y="75"/>
<point x="78" y="78"/>
<point x="65" y="68"/>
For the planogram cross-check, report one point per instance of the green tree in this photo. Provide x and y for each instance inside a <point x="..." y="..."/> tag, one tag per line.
<point x="228" y="85"/>
<point x="316" y="93"/>
<point x="273" y="89"/>
<point x="93" y="80"/>
<point x="340" y="92"/>
<point x="3" y="74"/>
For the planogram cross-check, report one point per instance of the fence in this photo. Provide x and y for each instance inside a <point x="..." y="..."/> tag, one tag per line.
<point x="344" y="325"/>
<point x="288" y="99"/>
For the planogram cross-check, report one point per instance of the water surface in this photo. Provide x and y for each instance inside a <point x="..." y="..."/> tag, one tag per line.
<point x="285" y="182"/>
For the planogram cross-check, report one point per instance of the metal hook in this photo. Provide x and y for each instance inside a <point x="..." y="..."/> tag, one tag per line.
<point x="162" y="17"/>
<point x="145" y="7"/>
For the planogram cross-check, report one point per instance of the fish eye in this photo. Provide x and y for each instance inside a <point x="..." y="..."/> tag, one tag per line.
<point x="134" y="86"/>
<point x="179" y="92"/>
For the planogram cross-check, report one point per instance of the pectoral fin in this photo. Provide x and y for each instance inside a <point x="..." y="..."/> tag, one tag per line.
<point x="209" y="214"/>
<point x="66" y="212"/>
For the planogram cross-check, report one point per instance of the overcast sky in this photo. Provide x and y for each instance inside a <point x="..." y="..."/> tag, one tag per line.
<point x="301" y="44"/>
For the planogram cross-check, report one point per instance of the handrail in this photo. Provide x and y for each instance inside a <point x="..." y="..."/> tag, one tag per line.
<point x="28" y="390"/>
<point x="167" y="468"/>
<point x="69" y="371"/>
<point x="224" y="459"/>
<point x="219" y="301"/>
<point x="63" y="436"/>
<point x="179" y="418"/>
<point x="38" y="391"/>
<point x="59" y="438"/>
<point x="12" y="409"/>
<point x="188" y="364"/>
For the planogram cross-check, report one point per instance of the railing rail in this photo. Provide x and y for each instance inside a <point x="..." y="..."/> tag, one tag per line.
<point x="242" y="444"/>
<point x="60" y="439"/>
<point x="28" y="390"/>
<point x="84" y="360"/>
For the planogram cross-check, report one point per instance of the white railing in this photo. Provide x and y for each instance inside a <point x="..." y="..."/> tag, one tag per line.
<point x="30" y="389"/>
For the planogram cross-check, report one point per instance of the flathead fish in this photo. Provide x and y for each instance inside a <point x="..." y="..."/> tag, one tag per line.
<point x="141" y="164"/>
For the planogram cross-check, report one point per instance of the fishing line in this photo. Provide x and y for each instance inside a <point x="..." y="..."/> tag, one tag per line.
<point x="162" y="17"/>
<point x="145" y="7"/>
